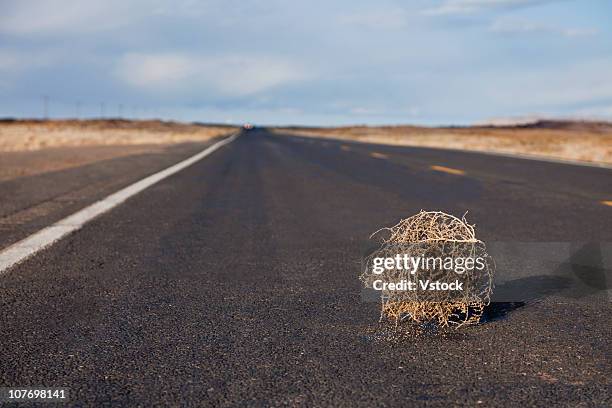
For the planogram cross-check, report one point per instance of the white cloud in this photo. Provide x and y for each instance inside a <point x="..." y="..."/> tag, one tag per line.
<point x="156" y="70"/>
<point x="449" y="7"/>
<point x="381" y="19"/>
<point x="225" y="75"/>
<point x="525" y="27"/>
<point x="582" y="82"/>
<point x="8" y="61"/>
<point x="27" y="17"/>
<point x="16" y="61"/>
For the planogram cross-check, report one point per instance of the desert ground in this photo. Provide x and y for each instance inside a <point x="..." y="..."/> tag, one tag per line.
<point x="30" y="147"/>
<point x="565" y="140"/>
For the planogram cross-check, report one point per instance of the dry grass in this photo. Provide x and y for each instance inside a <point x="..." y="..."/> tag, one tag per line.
<point x="34" y="135"/>
<point x="582" y="141"/>
<point x="437" y="235"/>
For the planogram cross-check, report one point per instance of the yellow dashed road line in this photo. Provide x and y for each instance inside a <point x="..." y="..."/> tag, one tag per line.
<point x="448" y="170"/>
<point x="345" y="148"/>
<point x="377" y="155"/>
<point x="607" y="202"/>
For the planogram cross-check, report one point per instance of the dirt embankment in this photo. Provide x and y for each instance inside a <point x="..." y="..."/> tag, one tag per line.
<point x="566" y="140"/>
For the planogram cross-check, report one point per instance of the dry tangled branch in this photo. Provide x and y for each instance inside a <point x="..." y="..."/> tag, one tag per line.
<point x="433" y="234"/>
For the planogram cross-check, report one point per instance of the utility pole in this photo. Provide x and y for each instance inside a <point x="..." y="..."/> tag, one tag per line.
<point x="77" y="109"/>
<point x="120" y="110"/>
<point x="101" y="109"/>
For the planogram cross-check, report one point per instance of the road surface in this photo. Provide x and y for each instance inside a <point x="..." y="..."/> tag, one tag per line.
<point x="234" y="283"/>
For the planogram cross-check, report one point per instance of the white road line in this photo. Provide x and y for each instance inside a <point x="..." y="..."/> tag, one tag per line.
<point x="27" y="247"/>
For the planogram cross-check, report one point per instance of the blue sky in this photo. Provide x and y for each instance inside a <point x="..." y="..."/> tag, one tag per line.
<point x="311" y="62"/>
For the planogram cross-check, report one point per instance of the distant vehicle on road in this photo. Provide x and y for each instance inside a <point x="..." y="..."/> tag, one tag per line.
<point x="248" y="126"/>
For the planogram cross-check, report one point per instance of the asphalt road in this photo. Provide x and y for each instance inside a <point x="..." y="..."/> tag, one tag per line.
<point x="32" y="202"/>
<point x="234" y="283"/>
